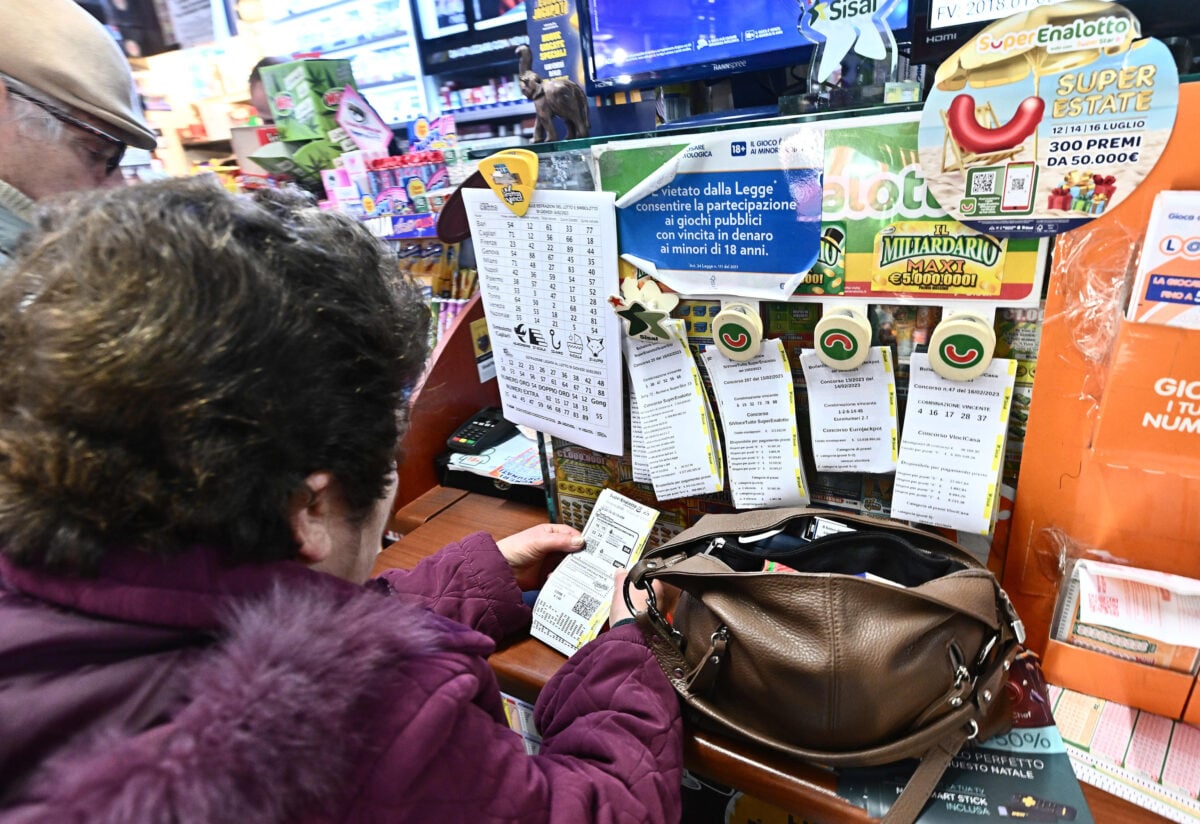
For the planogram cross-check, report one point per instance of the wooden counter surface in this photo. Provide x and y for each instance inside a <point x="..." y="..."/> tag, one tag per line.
<point x="525" y="665"/>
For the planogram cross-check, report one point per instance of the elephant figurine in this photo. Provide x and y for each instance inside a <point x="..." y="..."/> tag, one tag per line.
<point x="555" y="96"/>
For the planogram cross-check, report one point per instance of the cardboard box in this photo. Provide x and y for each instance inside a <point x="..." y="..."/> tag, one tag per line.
<point x="1102" y="652"/>
<point x="246" y="140"/>
<point x="1167" y="288"/>
<point x="1157" y="690"/>
<point x="1095" y="468"/>
<point x="304" y="96"/>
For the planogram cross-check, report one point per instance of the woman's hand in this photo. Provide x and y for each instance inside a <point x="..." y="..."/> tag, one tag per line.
<point x="533" y="553"/>
<point x="665" y="598"/>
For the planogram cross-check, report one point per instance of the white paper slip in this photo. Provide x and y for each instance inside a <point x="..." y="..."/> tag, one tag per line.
<point x="575" y="600"/>
<point x="1141" y="601"/>
<point x="853" y="413"/>
<point x="683" y="451"/>
<point x="952" y="446"/>
<point x="544" y="279"/>
<point x="637" y="442"/>
<point x="756" y="399"/>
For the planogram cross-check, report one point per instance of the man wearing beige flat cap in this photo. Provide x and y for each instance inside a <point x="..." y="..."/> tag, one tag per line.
<point x="66" y="108"/>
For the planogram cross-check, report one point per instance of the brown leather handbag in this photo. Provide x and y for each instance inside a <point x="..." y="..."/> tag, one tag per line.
<point x="862" y="647"/>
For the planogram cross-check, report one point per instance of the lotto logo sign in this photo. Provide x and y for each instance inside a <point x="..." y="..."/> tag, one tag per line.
<point x="1175" y="245"/>
<point x="735" y="336"/>
<point x="962" y="351"/>
<point x="738" y="148"/>
<point x="839" y="345"/>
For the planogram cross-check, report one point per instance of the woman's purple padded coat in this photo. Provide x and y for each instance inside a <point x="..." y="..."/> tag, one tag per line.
<point x="184" y="691"/>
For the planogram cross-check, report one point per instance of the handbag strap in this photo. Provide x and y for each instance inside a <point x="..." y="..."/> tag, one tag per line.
<point x="915" y="795"/>
<point x="924" y="780"/>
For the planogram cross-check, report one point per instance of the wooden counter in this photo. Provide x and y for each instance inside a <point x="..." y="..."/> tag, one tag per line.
<point x="525" y="665"/>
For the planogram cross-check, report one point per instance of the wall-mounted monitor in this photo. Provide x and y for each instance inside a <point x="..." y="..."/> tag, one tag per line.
<point x="440" y="18"/>
<point x="470" y="35"/>
<point x="941" y="27"/>
<point x="492" y="13"/>
<point x="630" y="44"/>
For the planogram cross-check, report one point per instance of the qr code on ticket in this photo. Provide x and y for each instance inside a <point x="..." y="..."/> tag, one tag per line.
<point x="586" y="606"/>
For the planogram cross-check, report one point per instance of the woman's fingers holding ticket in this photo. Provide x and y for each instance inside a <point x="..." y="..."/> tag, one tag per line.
<point x="665" y="598"/>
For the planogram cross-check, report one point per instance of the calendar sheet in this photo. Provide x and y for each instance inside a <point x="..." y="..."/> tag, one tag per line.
<point x="545" y="279"/>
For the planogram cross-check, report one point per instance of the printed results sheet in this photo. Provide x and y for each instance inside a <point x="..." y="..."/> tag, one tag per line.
<point x="949" y="466"/>
<point x="545" y="278"/>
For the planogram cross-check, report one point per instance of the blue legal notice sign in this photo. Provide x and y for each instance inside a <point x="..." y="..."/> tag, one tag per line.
<point x="738" y="214"/>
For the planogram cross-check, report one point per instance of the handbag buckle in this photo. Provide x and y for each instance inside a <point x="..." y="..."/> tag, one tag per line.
<point x="1014" y="620"/>
<point x="676" y="637"/>
<point x="961" y="676"/>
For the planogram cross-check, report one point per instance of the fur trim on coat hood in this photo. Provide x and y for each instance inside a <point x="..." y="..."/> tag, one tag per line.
<point x="276" y="718"/>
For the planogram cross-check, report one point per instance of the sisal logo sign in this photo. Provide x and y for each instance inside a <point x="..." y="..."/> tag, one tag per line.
<point x="838" y="345"/>
<point x="847" y="26"/>
<point x="962" y="351"/>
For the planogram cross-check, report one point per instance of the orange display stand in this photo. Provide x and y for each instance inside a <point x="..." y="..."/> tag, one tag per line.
<point x="1098" y="475"/>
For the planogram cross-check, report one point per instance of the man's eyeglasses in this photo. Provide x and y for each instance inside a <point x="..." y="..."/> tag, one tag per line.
<point x="112" y="162"/>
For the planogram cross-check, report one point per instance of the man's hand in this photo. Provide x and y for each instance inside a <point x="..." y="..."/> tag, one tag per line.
<point x="533" y="553"/>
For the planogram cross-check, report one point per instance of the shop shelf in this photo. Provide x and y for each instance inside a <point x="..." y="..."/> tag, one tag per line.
<point x="493" y="111"/>
<point x="402" y="227"/>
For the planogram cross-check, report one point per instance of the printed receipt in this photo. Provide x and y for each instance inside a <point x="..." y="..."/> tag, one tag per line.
<point x="683" y="452"/>
<point x="574" y="603"/>
<point x="853" y="413"/>
<point x="761" y="439"/>
<point x="952" y="446"/>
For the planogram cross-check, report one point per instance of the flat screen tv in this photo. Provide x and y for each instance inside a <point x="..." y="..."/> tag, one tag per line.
<point x="940" y="27"/>
<point x="630" y="44"/>
<point x="469" y="35"/>
<point x="440" y="18"/>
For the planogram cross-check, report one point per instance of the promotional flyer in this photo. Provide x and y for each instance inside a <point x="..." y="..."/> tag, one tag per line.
<point x="1047" y="119"/>
<point x="1022" y="774"/>
<point x="884" y="235"/>
<point x="554" y="39"/>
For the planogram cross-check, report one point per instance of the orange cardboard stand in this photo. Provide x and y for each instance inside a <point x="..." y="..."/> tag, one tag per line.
<point x="1094" y="465"/>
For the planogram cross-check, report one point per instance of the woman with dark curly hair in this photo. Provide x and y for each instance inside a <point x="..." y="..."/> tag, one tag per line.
<point x="200" y="400"/>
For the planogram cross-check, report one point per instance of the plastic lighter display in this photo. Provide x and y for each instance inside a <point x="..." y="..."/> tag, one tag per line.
<point x="1048" y="118"/>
